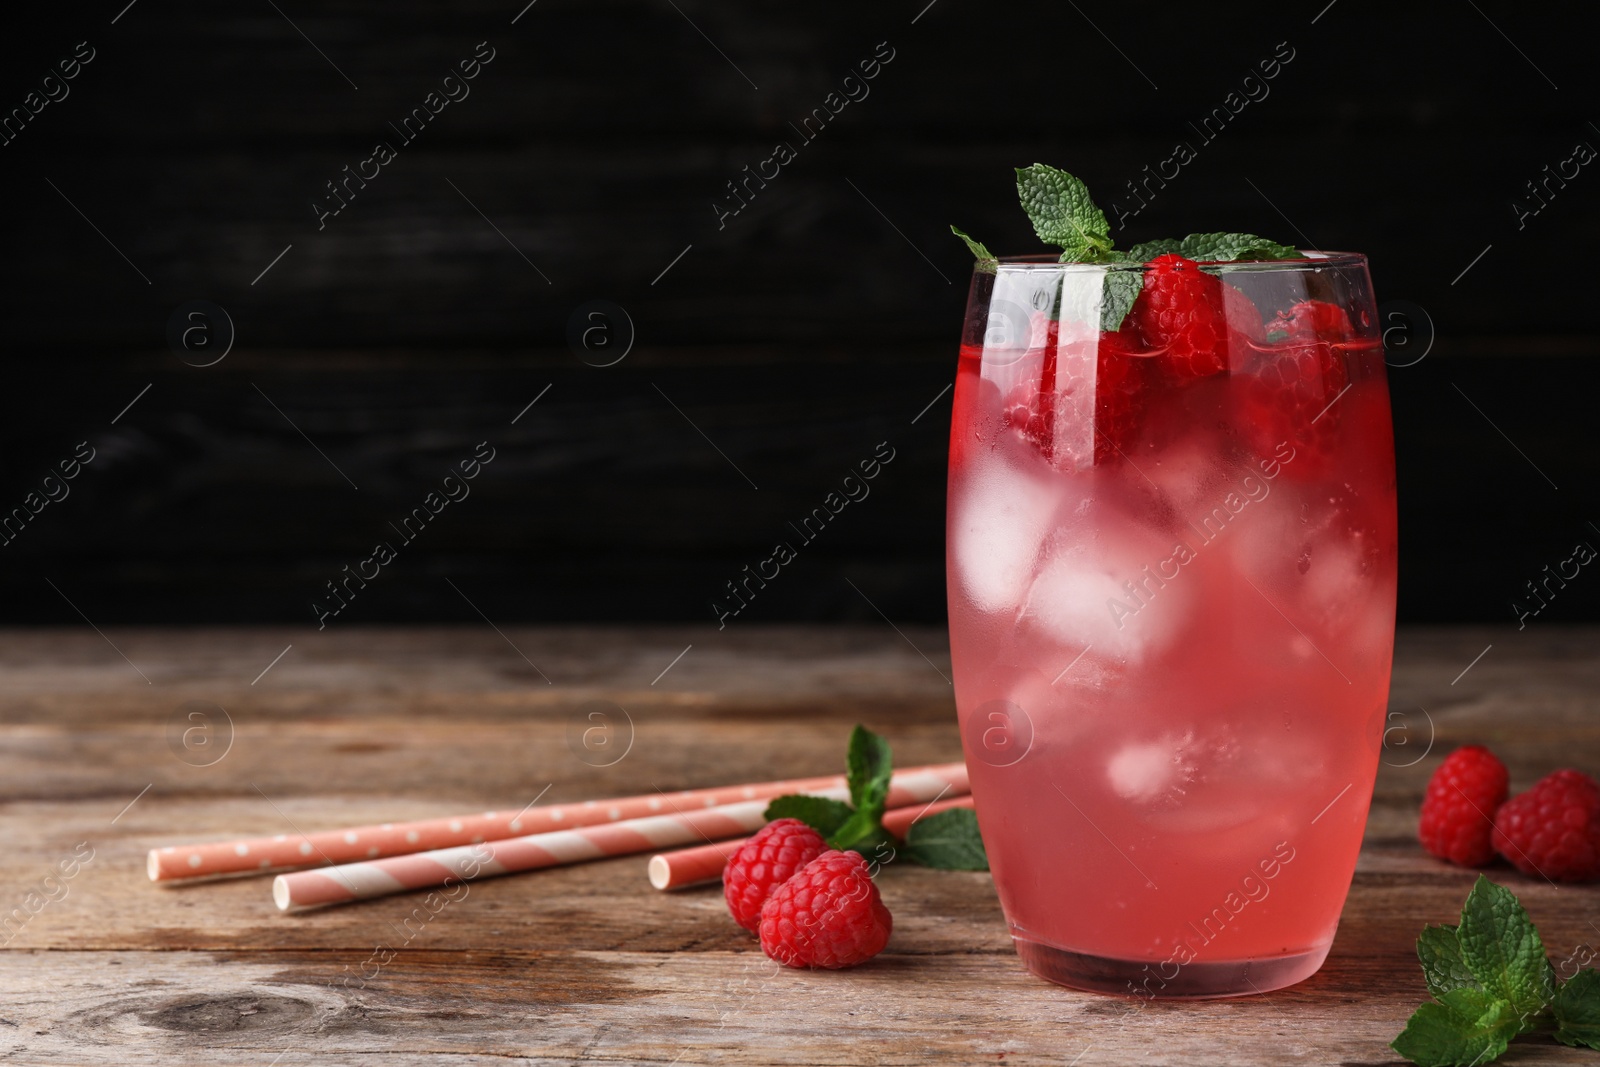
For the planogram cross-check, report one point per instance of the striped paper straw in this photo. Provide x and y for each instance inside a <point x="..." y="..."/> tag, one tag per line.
<point x="425" y="870"/>
<point x="704" y="863"/>
<point x="289" y="851"/>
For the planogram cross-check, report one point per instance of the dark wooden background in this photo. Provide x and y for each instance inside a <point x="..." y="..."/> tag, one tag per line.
<point x="817" y="324"/>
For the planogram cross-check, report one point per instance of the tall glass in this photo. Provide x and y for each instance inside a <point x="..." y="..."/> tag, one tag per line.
<point x="1171" y="582"/>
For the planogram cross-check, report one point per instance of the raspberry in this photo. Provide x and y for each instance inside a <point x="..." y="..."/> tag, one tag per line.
<point x="829" y="915"/>
<point x="765" y="862"/>
<point x="1119" y="397"/>
<point x="1458" y="810"/>
<point x="1553" y="829"/>
<point x="1315" y="320"/>
<point x="1037" y="409"/>
<point x="1183" y="312"/>
<point x="1030" y="408"/>
<point x="1121" y="392"/>
<point x="1289" y="394"/>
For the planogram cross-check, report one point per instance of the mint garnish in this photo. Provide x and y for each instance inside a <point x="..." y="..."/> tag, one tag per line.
<point x="1442" y="965"/>
<point x="1502" y="949"/>
<point x="1228" y="247"/>
<point x="1577" y="1009"/>
<point x="1064" y="214"/>
<point x="935" y="842"/>
<point x="868" y="767"/>
<point x="1122" y="288"/>
<point x="863" y="832"/>
<point x="949" y="839"/>
<point x="1492" y="982"/>
<point x="987" y="260"/>
<point x="1144" y="253"/>
<point x="823" y="814"/>
<point x="1465" y="1027"/>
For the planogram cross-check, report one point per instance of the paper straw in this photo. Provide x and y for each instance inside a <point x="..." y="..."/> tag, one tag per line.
<point x="441" y="867"/>
<point x="289" y="851"/>
<point x="704" y="863"/>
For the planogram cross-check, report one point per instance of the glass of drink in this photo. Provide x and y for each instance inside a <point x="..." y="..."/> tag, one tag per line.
<point x="1171" y="563"/>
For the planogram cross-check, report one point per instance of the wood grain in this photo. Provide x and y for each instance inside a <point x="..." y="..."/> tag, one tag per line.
<point x="587" y="963"/>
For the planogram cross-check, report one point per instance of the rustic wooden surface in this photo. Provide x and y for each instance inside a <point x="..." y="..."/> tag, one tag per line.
<point x="587" y="964"/>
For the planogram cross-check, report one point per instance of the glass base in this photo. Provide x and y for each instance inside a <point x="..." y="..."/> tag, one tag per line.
<point x="1150" y="981"/>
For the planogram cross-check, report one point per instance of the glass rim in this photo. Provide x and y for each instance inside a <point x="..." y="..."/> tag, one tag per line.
<point x="1309" y="259"/>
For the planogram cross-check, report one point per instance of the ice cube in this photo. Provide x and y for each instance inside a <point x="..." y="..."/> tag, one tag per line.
<point x="1105" y="595"/>
<point x="1300" y="551"/>
<point x="1147" y="771"/>
<point x="1190" y="477"/>
<point x="1225" y="777"/>
<point x="1002" y="516"/>
<point x="1064" y="698"/>
<point x="1270" y="540"/>
<point x="1333" y="584"/>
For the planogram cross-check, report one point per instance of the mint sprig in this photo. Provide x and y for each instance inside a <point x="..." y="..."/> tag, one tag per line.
<point x="869" y="764"/>
<point x="1122" y="288"/>
<point x="948" y="840"/>
<point x="1148" y="250"/>
<point x="1502" y="949"/>
<point x="1491" y="983"/>
<point x="1064" y="214"/>
<point x="823" y="814"/>
<point x="987" y="260"/>
<point x="868" y="767"/>
<point x="1229" y="247"/>
<point x="1577" y="1010"/>
<point x="1465" y="1027"/>
<point x="1439" y="949"/>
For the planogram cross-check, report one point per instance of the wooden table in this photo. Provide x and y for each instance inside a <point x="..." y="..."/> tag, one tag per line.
<point x="588" y="964"/>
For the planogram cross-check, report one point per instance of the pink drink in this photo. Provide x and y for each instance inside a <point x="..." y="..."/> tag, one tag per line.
<point x="1171" y="618"/>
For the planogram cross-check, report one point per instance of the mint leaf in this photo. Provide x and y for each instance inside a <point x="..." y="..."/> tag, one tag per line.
<point x="1502" y="949"/>
<point x="948" y="840"/>
<point x="1577" y="1009"/>
<point x="987" y="261"/>
<point x="1122" y="288"/>
<point x="822" y="814"/>
<point x="1433" y="1037"/>
<point x="1063" y="213"/>
<point x="862" y="832"/>
<point x="1442" y="965"/>
<point x="1493" y="982"/>
<point x="1144" y="253"/>
<point x="1500" y="1018"/>
<point x="1228" y="247"/>
<point x="868" y="767"/>
<point x="1466" y="1027"/>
